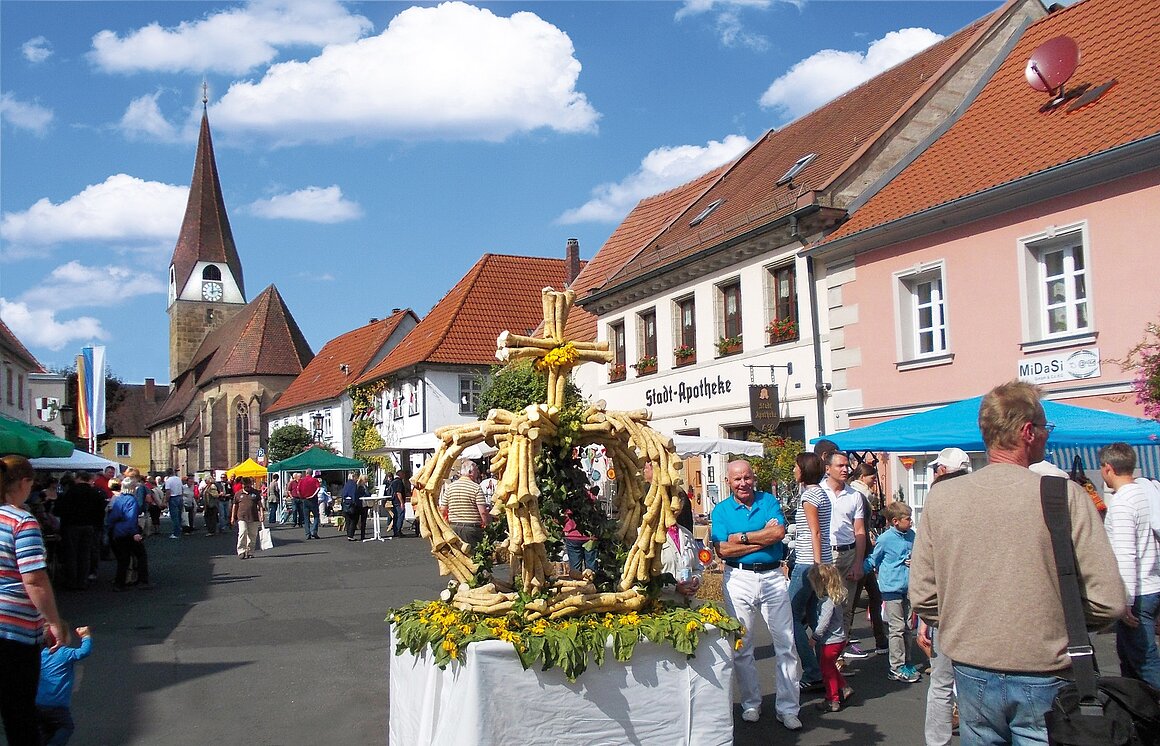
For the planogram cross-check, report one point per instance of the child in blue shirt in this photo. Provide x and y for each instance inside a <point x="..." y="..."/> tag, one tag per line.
<point x="54" y="696"/>
<point x="891" y="558"/>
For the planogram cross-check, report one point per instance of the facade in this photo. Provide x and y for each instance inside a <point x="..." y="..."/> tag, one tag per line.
<point x="25" y="381"/>
<point x="319" y="400"/>
<point x="434" y="376"/>
<point x="126" y="439"/>
<point x="1012" y="247"/>
<point x="719" y="297"/>
<point x="229" y="359"/>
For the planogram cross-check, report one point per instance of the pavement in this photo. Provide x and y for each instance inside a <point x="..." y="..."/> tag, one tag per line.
<point x="290" y="647"/>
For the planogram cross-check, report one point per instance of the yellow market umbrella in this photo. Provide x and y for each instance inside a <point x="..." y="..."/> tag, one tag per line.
<point x="248" y="468"/>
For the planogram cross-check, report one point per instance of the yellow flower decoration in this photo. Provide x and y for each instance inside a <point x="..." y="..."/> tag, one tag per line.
<point x="558" y="357"/>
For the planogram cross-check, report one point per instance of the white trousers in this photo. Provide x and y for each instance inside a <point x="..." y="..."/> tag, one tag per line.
<point x="764" y="596"/>
<point x="247" y="537"/>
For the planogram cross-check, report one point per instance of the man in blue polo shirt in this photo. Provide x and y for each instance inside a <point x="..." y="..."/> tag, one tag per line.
<point x="748" y="528"/>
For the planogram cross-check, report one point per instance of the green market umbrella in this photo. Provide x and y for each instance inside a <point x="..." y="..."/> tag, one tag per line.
<point x="26" y="440"/>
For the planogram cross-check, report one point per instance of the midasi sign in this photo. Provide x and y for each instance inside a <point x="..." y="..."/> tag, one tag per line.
<point x="1064" y="366"/>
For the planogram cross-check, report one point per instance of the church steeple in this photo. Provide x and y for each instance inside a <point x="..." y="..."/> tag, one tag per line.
<point x="205" y="232"/>
<point x="205" y="275"/>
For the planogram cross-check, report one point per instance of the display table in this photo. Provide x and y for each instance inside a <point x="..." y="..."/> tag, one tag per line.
<point x="375" y="503"/>
<point x="660" y="696"/>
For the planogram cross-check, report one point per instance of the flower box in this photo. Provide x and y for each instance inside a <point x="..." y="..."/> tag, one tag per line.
<point x="782" y="330"/>
<point x="728" y="345"/>
<point x="645" y="370"/>
<point x="681" y="362"/>
<point x="616" y="372"/>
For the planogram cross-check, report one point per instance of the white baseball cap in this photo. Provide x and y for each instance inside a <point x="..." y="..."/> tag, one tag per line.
<point x="954" y="459"/>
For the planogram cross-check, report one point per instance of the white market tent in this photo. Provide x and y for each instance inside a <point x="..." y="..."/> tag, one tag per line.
<point x="697" y="445"/>
<point x="79" y="460"/>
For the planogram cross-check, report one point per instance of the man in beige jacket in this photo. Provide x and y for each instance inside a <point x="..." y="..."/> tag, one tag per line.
<point x="984" y="574"/>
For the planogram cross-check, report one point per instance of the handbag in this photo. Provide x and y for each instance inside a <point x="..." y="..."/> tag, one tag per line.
<point x="1091" y="710"/>
<point x="265" y="538"/>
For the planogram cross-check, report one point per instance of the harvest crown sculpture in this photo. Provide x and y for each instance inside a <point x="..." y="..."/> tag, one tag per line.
<point x="520" y="437"/>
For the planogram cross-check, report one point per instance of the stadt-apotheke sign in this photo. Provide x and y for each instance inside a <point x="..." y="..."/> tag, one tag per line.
<point x="707" y="388"/>
<point x="1076" y="365"/>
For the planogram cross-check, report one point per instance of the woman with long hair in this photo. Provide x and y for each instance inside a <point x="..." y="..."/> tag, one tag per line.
<point x="811" y="546"/>
<point x="27" y="604"/>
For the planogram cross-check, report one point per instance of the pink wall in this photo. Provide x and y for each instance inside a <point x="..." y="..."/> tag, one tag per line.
<point x="982" y="295"/>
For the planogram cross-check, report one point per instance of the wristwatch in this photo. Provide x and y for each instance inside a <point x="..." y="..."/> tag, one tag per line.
<point x="744" y="537"/>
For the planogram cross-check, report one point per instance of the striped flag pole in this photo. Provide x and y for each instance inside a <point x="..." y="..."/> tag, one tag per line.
<point x="92" y="362"/>
<point x="82" y="400"/>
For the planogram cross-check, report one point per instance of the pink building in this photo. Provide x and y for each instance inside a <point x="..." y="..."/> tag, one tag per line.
<point x="1021" y="244"/>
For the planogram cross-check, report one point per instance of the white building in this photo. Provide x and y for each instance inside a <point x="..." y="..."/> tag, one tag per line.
<point x="25" y="382"/>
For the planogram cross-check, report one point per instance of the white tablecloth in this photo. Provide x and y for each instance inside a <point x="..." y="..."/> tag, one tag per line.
<point x="659" y="697"/>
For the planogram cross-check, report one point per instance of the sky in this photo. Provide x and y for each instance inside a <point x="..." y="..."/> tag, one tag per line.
<point x="370" y="153"/>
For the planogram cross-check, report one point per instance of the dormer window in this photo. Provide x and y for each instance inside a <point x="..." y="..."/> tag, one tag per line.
<point x="796" y="168"/>
<point x="211" y="272"/>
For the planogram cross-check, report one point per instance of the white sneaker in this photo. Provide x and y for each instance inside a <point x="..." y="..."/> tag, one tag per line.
<point x="790" y="722"/>
<point x="750" y="714"/>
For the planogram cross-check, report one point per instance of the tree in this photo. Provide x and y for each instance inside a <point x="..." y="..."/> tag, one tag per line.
<point x="287" y="441"/>
<point x="1144" y="361"/>
<point x="775" y="466"/>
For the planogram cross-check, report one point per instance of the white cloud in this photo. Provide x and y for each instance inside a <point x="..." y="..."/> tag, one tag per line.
<point x="727" y="19"/>
<point x="313" y="204"/>
<point x="74" y="285"/>
<point x="662" y="169"/>
<point x="143" y="120"/>
<point x="825" y="75"/>
<point x="230" y="41"/>
<point x="447" y="72"/>
<point x="36" y="50"/>
<point x="120" y="209"/>
<point x="40" y="327"/>
<point x="33" y="117"/>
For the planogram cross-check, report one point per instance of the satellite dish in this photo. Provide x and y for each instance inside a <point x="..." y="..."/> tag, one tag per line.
<point x="1051" y="65"/>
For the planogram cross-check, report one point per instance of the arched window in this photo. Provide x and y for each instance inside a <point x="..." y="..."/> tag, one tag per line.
<point x="211" y="272"/>
<point x="242" y="431"/>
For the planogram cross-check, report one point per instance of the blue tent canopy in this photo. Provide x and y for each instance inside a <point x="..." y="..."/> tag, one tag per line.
<point x="958" y="425"/>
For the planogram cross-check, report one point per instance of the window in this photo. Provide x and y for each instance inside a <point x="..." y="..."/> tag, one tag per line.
<point x="211" y="272"/>
<point x="648" y="333"/>
<point x="123" y="449"/>
<point x="397" y="405"/>
<point x="470" y="388"/>
<point x="685" y="331"/>
<point x="730" y="313"/>
<point x="798" y="166"/>
<point x="413" y="399"/>
<point x="616" y="344"/>
<point x="706" y="212"/>
<point x="921" y="314"/>
<point x="242" y="431"/>
<point x="1055" y="271"/>
<point x="783" y="299"/>
<point x="20" y="390"/>
<point x="8" y="380"/>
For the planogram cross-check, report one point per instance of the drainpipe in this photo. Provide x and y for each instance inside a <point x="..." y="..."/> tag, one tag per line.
<point x="820" y="388"/>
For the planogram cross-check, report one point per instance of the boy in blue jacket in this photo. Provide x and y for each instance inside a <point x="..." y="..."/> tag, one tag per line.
<point x="891" y="558"/>
<point x="54" y="697"/>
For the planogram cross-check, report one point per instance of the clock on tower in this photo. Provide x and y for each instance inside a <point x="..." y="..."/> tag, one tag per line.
<point x="211" y="291"/>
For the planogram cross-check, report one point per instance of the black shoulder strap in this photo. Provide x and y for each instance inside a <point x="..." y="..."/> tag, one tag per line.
<point x="1053" y="495"/>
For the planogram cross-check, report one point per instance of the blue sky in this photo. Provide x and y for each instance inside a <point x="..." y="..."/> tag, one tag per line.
<point x="371" y="152"/>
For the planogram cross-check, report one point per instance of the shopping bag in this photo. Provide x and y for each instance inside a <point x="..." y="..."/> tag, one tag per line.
<point x="265" y="538"/>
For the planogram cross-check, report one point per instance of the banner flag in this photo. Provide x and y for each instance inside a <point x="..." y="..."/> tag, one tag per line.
<point x="95" y="362"/>
<point x="82" y="400"/>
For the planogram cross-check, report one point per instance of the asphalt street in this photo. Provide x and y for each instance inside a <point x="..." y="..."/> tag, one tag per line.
<point x="291" y="648"/>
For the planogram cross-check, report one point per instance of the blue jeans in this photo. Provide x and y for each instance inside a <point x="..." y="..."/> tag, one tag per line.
<point x="175" y="511"/>
<point x="580" y="558"/>
<point x="803" y="604"/>
<point x="311" y="519"/>
<point x="1136" y="646"/>
<point x="56" y="725"/>
<point x="1003" y="708"/>
<point x="397" y="514"/>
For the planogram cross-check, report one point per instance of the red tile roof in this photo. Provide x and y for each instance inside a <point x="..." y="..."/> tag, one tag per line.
<point x="13" y="344"/>
<point x="205" y="231"/>
<point x="1003" y="136"/>
<point x="134" y="411"/>
<point x="650" y="216"/>
<point x="324" y="378"/>
<point x="262" y="340"/>
<point x="500" y="292"/>
<point x="839" y="132"/>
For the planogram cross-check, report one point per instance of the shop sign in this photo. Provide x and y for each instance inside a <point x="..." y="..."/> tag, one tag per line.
<point x="764" y="412"/>
<point x="687" y="392"/>
<point x="1061" y="366"/>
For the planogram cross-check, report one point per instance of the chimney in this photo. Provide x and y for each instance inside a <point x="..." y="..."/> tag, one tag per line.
<point x="149" y="386"/>
<point x="572" y="262"/>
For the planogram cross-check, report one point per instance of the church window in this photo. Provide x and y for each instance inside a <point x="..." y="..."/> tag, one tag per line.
<point x="211" y="272"/>
<point x="242" y="431"/>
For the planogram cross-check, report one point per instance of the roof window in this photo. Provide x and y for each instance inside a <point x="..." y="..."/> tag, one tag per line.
<point x="796" y="168"/>
<point x="706" y="212"/>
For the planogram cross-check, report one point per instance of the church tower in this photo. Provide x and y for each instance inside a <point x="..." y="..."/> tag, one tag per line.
<point x="205" y="274"/>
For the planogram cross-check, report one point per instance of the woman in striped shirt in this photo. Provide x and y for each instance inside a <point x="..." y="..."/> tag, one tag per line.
<point x="811" y="546"/>
<point x="26" y="604"/>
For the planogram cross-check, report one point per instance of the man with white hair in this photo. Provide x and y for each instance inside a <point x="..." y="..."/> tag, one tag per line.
<point x="950" y="461"/>
<point x="463" y="505"/>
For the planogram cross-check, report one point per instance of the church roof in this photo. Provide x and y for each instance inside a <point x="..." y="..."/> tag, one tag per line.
<point x="11" y="343"/>
<point x="205" y="231"/>
<point x="339" y="363"/>
<point x="262" y="340"/>
<point x="499" y="292"/>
